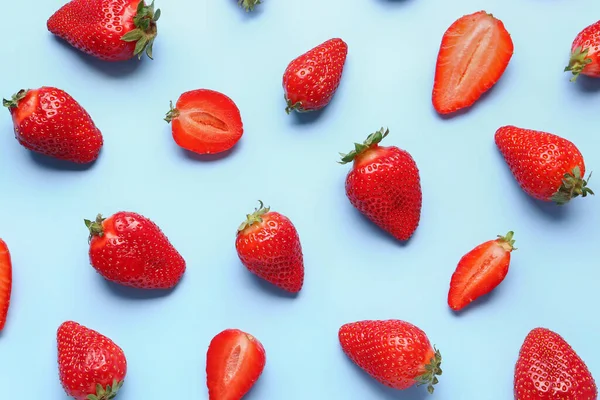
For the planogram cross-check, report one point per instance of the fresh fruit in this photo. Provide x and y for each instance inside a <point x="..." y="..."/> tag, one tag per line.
<point x="310" y="80"/>
<point x="111" y="30"/>
<point x="129" y="249"/>
<point x="395" y="353"/>
<point x="234" y="362"/>
<point x="49" y="121"/>
<point x="5" y="282"/>
<point x="480" y="271"/>
<point x="205" y="122"/>
<point x="546" y="166"/>
<point x="473" y="55"/>
<point x="384" y="185"/>
<point x="585" y="53"/>
<point x="90" y="365"/>
<point x="268" y="245"/>
<point x="549" y="369"/>
<point x="249" y="5"/>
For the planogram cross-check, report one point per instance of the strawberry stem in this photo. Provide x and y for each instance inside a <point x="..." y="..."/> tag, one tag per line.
<point x="372" y="140"/>
<point x="95" y="227"/>
<point x="297" y="106"/>
<point x="172" y="114"/>
<point x="146" y="29"/>
<point x="507" y="241"/>
<point x="108" y="393"/>
<point x="254" y="217"/>
<point x="432" y="370"/>
<point x="573" y="185"/>
<point x="579" y="60"/>
<point x="16" y="98"/>
<point x="248" y="5"/>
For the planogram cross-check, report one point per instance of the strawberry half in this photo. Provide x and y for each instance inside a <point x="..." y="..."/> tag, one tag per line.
<point x="585" y="53"/>
<point x="205" y="122"/>
<point x="473" y="55"/>
<point x="5" y="282"/>
<point x="234" y="362"/>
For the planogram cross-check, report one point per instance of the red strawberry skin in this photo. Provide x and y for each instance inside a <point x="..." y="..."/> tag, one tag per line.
<point x="5" y="282"/>
<point x="86" y="359"/>
<point x="234" y="362"/>
<point x="51" y="122"/>
<point x="129" y="249"/>
<point x="384" y="185"/>
<point x="395" y="353"/>
<point x="585" y="53"/>
<point x="99" y="27"/>
<point x="549" y="369"/>
<point x="311" y="80"/>
<point x="546" y="166"/>
<point x="268" y="245"/>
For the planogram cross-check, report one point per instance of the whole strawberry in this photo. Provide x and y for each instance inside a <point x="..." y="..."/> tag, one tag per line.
<point x="90" y="365"/>
<point x="49" y="121"/>
<point x="585" y="53"/>
<point x="310" y="80"/>
<point x="111" y="30"/>
<point x="268" y="245"/>
<point x="129" y="249"/>
<point x="395" y="353"/>
<point x="549" y="369"/>
<point x="546" y="166"/>
<point x="384" y="185"/>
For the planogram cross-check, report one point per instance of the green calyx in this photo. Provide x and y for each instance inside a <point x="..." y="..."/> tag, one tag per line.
<point x="249" y="5"/>
<point x="372" y="140"/>
<point x="15" y="99"/>
<point x="255" y="217"/>
<point x="145" y="23"/>
<point x="579" y="60"/>
<point x="95" y="227"/>
<point x="432" y="370"/>
<point x="507" y="241"/>
<point x="573" y="185"/>
<point x="110" y="392"/>
<point x="297" y="106"/>
<point x="172" y="114"/>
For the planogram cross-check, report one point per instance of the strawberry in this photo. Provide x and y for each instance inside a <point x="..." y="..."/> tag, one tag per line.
<point x="5" y="282"/>
<point x="549" y="369"/>
<point x="268" y="245"/>
<point x="129" y="249"/>
<point x="310" y="80"/>
<point x="205" y="122"/>
<point x="473" y="55"/>
<point x="384" y="185"/>
<point x="49" y="121"/>
<point x="395" y="353"/>
<point x="546" y="166"/>
<point x="585" y="53"/>
<point x="480" y="271"/>
<point x="248" y="5"/>
<point x="90" y="365"/>
<point x="110" y="30"/>
<point x="234" y="362"/>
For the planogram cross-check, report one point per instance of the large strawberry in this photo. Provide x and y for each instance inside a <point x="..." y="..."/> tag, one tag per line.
<point x="5" y="282"/>
<point x="111" y="30"/>
<point x="585" y="53"/>
<point x="396" y="353"/>
<point x="546" y="166"/>
<point x="385" y="186"/>
<point x="234" y="362"/>
<point x="473" y="55"/>
<point x="90" y="365"/>
<point x="549" y="369"/>
<point x="310" y="80"/>
<point x="49" y="121"/>
<point x="131" y="250"/>
<point x="268" y="245"/>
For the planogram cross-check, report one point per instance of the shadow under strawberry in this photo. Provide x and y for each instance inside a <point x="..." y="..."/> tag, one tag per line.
<point x="586" y="84"/>
<point x="59" y="165"/>
<point x="136" y="294"/>
<point x="190" y="155"/>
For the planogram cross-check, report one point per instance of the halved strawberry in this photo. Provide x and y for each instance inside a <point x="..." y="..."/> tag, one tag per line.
<point x="205" y="121"/>
<point x="5" y="282"/>
<point x="474" y="53"/>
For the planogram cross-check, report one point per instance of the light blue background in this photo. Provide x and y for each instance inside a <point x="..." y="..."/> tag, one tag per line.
<point x="353" y="271"/>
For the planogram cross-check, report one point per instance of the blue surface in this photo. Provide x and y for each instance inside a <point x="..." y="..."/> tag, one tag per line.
<point x="353" y="270"/>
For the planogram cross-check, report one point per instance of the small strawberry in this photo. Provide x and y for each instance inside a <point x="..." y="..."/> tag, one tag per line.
<point x="234" y="362"/>
<point x="480" y="271"/>
<point x="205" y="122"/>
<point x="249" y="5"/>
<point x="384" y="185"/>
<point x="585" y="53"/>
<point x="5" y="282"/>
<point x="546" y="166"/>
<point x="110" y="30"/>
<point x="90" y="365"/>
<point x="129" y="249"/>
<point x="549" y="369"/>
<point x="310" y="80"/>
<point x="473" y="55"/>
<point x="395" y="353"/>
<point x="268" y="245"/>
<point x="49" y="121"/>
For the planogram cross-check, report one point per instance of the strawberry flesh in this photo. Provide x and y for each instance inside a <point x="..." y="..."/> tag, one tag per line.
<point x="5" y="282"/>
